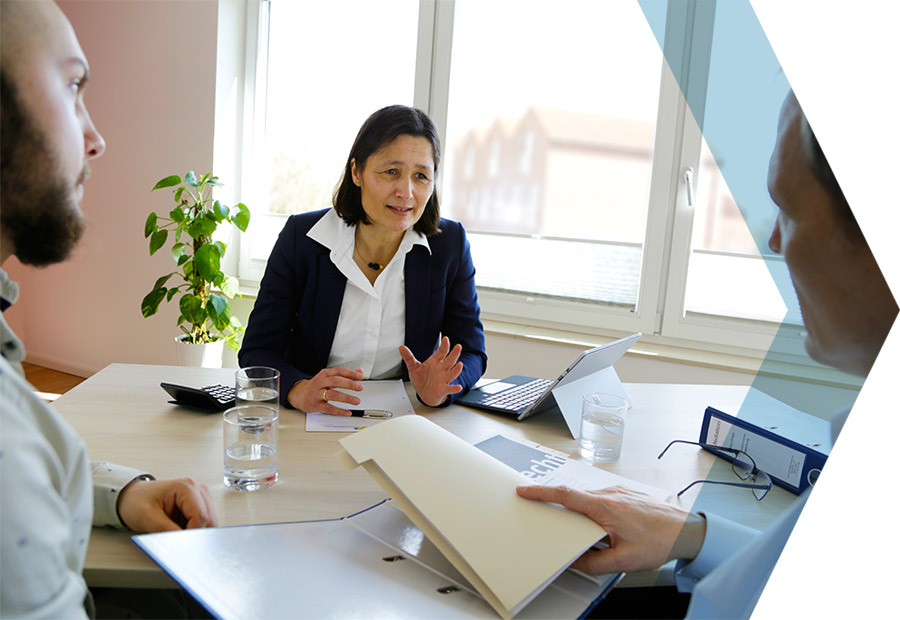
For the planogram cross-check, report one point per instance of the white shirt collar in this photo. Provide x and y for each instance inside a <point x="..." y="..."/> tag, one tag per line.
<point x="336" y="235"/>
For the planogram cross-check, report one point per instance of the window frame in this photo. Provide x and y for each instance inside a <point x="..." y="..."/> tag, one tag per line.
<point x="659" y="313"/>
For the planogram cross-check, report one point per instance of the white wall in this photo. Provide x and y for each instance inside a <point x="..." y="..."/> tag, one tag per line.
<point x="152" y="96"/>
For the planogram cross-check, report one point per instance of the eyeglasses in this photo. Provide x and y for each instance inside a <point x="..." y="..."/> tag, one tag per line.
<point x="743" y="466"/>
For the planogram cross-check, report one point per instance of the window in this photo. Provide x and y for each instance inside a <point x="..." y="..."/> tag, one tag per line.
<point x="590" y="197"/>
<point x="563" y="141"/>
<point x="727" y="275"/>
<point x="318" y="84"/>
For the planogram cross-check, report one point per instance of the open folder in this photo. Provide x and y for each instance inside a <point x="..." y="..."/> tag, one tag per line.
<point x="464" y="501"/>
<point x="374" y="564"/>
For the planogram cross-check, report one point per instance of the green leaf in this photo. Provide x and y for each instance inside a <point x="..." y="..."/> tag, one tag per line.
<point x="207" y="262"/>
<point x="178" y="251"/>
<point x="162" y="280"/>
<point x="220" y="210"/>
<point x="195" y="228"/>
<point x="178" y="193"/>
<point x="219" y="304"/>
<point x="150" y="225"/>
<point x="230" y="287"/>
<point x="203" y="226"/>
<point x="217" y="308"/>
<point x="157" y="240"/>
<point x="172" y="292"/>
<point x="183" y="259"/>
<point x="176" y="214"/>
<point x="167" y="182"/>
<point x="220" y="248"/>
<point x="205" y="177"/>
<point x="151" y="301"/>
<point x="209" y="224"/>
<point x="241" y="219"/>
<point x="191" y="179"/>
<point x="192" y="309"/>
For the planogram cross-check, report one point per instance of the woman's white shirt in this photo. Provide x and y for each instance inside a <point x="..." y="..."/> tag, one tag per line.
<point x="372" y="323"/>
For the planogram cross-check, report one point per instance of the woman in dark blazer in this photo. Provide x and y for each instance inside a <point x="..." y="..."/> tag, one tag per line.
<point x="380" y="286"/>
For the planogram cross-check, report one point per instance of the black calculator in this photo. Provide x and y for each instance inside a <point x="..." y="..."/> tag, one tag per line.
<point x="210" y="398"/>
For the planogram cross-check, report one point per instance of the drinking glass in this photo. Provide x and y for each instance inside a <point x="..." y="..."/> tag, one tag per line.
<point x="250" y="447"/>
<point x="257" y="385"/>
<point x="602" y="426"/>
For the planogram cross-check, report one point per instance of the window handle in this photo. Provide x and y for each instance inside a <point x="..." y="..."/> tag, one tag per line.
<point x="689" y="186"/>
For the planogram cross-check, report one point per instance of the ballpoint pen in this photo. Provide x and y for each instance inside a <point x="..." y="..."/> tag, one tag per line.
<point x="380" y="414"/>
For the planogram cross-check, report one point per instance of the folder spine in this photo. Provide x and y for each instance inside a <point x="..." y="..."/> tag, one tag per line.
<point x="790" y="464"/>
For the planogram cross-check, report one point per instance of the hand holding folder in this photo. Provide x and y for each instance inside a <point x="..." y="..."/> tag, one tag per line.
<point x="464" y="500"/>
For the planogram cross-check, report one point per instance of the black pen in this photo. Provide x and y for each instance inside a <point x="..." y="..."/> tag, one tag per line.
<point x="380" y="414"/>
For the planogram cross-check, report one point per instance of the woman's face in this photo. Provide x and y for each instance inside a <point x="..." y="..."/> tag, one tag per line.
<point x="396" y="183"/>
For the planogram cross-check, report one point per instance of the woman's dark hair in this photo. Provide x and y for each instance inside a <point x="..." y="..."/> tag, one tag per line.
<point x="380" y="129"/>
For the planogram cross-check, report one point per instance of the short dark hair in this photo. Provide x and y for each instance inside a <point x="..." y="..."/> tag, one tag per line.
<point x="380" y="129"/>
<point x="821" y="169"/>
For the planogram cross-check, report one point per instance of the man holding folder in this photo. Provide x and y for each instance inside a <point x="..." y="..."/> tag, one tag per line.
<point x="848" y="310"/>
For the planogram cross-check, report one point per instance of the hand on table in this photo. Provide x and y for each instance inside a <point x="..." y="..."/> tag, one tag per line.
<point x="432" y="377"/>
<point x="165" y="505"/>
<point x="643" y="533"/>
<point x="312" y="395"/>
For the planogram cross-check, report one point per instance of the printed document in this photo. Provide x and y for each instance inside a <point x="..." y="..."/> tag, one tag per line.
<point x="382" y="395"/>
<point x="548" y="467"/>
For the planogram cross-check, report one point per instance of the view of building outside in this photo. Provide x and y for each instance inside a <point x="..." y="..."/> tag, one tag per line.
<point x="550" y="137"/>
<point x="551" y="172"/>
<point x="516" y="177"/>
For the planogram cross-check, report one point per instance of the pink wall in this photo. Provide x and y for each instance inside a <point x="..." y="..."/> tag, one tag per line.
<point x="152" y="96"/>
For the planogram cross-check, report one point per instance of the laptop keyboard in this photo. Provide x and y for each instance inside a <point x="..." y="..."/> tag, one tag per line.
<point x="518" y="397"/>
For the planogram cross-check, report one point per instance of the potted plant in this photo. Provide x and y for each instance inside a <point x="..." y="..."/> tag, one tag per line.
<point x="203" y="290"/>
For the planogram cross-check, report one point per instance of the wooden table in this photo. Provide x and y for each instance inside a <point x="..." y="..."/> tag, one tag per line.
<point x="124" y="417"/>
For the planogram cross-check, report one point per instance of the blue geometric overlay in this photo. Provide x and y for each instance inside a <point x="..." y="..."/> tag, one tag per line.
<point x="736" y="108"/>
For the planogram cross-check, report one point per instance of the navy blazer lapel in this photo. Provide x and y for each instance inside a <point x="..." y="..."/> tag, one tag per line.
<point x="330" y="287"/>
<point x="417" y="272"/>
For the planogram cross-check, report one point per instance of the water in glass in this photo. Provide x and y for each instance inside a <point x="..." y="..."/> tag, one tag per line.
<point x="251" y="447"/>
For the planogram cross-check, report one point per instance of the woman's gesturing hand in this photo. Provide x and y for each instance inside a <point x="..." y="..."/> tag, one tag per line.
<point x="432" y="377"/>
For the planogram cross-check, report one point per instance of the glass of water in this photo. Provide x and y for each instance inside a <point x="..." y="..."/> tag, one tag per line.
<point x="602" y="426"/>
<point x="251" y="447"/>
<point x="257" y="385"/>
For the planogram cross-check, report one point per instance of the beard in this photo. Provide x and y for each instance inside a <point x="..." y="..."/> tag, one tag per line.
<point x="40" y="215"/>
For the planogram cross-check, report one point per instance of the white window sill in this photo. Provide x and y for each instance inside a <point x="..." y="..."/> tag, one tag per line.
<point x="657" y="347"/>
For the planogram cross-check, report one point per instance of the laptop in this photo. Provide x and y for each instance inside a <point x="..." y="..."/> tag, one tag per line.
<point x="524" y="397"/>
